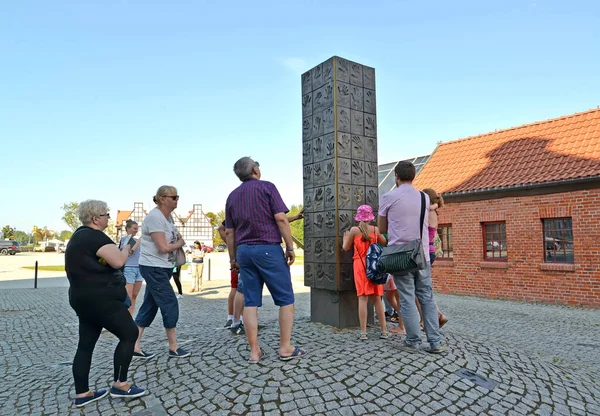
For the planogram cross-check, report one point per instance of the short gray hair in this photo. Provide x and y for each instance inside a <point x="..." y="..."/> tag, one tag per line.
<point x="243" y="168"/>
<point x="91" y="208"/>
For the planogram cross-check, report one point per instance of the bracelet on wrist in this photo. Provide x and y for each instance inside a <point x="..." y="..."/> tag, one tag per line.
<point x="289" y="249"/>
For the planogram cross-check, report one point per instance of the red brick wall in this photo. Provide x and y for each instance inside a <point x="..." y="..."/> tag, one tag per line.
<point x="524" y="276"/>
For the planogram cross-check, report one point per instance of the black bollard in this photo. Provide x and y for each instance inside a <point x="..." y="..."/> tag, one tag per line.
<point x="35" y="276"/>
<point x="209" y="270"/>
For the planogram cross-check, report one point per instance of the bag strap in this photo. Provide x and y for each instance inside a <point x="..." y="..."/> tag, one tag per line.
<point x="422" y="212"/>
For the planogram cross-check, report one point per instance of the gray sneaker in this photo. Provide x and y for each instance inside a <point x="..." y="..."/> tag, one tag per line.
<point x="435" y="350"/>
<point x="411" y="349"/>
<point x="238" y="329"/>
<point x="228" y="323"/>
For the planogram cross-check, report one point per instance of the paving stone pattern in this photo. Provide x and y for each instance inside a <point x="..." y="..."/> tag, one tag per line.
<point x="545" y="359"/>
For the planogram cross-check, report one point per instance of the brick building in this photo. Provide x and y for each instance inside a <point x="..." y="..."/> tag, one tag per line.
<point x="522" y="214"/>
<point x="193" y="226"/>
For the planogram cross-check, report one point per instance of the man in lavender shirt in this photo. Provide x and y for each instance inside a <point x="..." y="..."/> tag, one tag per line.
<point x="255" y="222"/>
<point x="400" y="218"/>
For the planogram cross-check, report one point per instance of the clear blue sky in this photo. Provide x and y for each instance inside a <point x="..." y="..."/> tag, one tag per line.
<point x="110" y="99"/>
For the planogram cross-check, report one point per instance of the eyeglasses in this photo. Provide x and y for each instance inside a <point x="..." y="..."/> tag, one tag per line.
<point x="107" y="215"/>
<point x="257" y="164"/>
<point x="173" y="197"/>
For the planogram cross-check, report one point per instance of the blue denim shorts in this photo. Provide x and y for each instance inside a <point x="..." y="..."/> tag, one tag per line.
<point x="159" y="295"/>
<point x="132" y="274"/>
<point x="240" y="287"/>
<point x="265" y="265"/>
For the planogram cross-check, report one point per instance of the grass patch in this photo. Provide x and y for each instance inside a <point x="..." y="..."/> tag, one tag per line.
<point x="46" y="268"/>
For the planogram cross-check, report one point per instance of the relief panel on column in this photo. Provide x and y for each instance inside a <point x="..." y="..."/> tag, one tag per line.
<point x="345" y="220"/>
<point x="330" y="276"/>
<point x="344" y="171"/>
<point x="346" y="256"/>
<point x="358" y="196"/>
<point x="307" y="105"/>
<point x="318" y="125"/>
<point x="356" y="74"/>
<point x="317" y="76"/>
<point x="308" y="201"/>
<point x="319" y="224"/>
<point x="343" y="70"/>
<point x="369" y="102"/>
<point x="344" y="196"/>
<point x="328" y="120"/>
<point x="370" y="149"/>
<point x="318" y="174"/>
<point x="307" y="128"/>
<point x="319" y="250"/>
<point x="368" y="77"/>
<point x="318" y="100"/>
<point x="371" y="174"/>
<point x="307" y="153"/>
<point x="330" y="196"/>
<point x="318" y="199"/>
<point x="356" y="98"/>
<point x="329" y="143"/>
<point x="372" y="197"/>
<point x="346" y="277"/>
<point x="318" y="149"/>
<point x="357" y="122"/>
<point x="328" y="70"/>
<point x="370" y="125"/>
<point x="307" y="176"/>
<point x="306" y="83"/>
<point x="308" y="249"/>
<point x="308" y="229"/>
<point x="358" y="172"/>
<point x="319" y="276"/>
<point x="344" y="146"/>
<point x="327" y="100"/>
<point x="309" y="274"/>
<point x="329" y="224"/>
<point x="343" y="119"/>
<point x="358" y="147"/>
<point x="328" y="172"/>
<point x="343" y="94"/>
<point x="330" y="249"/>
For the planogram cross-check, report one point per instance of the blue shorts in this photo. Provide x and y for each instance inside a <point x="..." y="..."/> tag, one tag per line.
<point x="265" y="264"/>
<point x="132" y="274"/>
<point x="159" y="295"/>
<point x="240" y="287"/>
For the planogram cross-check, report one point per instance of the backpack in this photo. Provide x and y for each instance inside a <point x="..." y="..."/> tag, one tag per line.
<point x="373" y="274"/>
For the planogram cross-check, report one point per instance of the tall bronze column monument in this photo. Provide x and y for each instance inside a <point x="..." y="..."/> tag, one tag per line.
<point x="339" y="148"/>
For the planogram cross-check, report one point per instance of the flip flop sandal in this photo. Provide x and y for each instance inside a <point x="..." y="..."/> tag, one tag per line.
<point x="298" y="353"/>
<point x="385" y="335"/>
<point x="262" y="354"/>
<point x="363" y="336"/>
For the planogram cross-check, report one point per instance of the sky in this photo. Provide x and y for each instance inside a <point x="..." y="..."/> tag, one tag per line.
<point x="111" y="99"/>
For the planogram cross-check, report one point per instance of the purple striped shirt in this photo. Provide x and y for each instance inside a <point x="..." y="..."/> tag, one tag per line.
<point x="250" y="210"/>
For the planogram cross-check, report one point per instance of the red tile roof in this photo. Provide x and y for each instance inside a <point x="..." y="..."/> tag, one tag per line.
<point x="122" y="216"/>
<point x="558" y="149"/>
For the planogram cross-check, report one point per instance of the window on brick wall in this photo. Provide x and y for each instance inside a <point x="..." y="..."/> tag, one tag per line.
<point x="494" y="241"/>
<point x="445" y="233"/>
<point x="558" y="240"/>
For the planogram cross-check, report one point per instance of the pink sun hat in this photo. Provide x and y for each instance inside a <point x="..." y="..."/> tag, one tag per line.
<point x="364" y="213"/>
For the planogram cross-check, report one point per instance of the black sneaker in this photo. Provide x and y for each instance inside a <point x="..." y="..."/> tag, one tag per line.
<point x="238" y="329"/>
<point x="228" y="323"/>
<point x="180" y="353"/>
<point x="143" y="355"/>
<point x="388" y="317"/>
<point x="435" y="350"/>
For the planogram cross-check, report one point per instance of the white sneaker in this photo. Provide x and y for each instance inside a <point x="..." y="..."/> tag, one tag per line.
<point x="179" y="296"/>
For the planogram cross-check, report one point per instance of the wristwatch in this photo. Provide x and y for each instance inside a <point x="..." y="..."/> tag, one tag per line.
<point x="289" y="249"/>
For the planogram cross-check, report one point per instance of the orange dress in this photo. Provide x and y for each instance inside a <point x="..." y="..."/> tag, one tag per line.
<point x="364" y="287"/>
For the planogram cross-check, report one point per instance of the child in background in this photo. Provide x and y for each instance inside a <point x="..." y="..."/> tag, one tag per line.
<point x="392" y="296"/>
<point x="361" y="238"/>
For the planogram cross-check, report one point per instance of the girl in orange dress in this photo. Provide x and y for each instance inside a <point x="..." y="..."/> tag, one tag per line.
<point x="361" y="238"/>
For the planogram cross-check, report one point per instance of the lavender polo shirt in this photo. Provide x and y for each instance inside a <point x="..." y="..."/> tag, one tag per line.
<point x="250" y="210"/>
<point x="402" y="208"/>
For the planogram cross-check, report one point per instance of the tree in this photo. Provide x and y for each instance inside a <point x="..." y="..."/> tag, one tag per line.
<point x="71" y="218"/>
<point x="215" y="221"/>
<point x="22" y="237"/>
<point x="111" y="230"/>
<point x="8" y="232"/>
<point x="297" y="226"/>
<point x="41" y="234"/>
<point x="65" y="235"/>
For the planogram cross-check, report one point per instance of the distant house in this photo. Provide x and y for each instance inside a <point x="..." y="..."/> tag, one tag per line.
<point x="386" y="176"/>
<point x="193" y="226"/>
<point x="522" y="214"/>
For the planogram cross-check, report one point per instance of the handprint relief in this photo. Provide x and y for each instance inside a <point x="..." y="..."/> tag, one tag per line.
<point x="328" y="94"/>
<point x="327" y="70"/>
<point x="356" y="98"/>
<point x="344" y="171"/>
<point x="344" y="197"/>
<point x="344" y="149"/>
<point x="345" y="222"/>
<point x="307" y="105"/>
<point x="330" y="247"/>
<point x="317" y="126"/>
<point x="342" y="70"/>
<point x="318" y="201"/>
<point x="357" y="147"/>
<point x="328" y="120"/>
<point x="358" y="168"/>
<point x="307" y="173"/>
<point x="369" y="77"/>
<point x="370" y="126"/>
<point x="370" y="173"/>
<point x="319" y="271"/>
<point x="357" y="126"/>
<point x="369" y="101"/>
<point x="359" y="194"/>
<point x="330" y="149"/>
<point x="318" y="248"/>
<point x="330" y="220"/>
<point x="343" y="96"/>
<point x="318" y="149"/>
<point x="371" y="197"/>
<point x="370" y="150"/>
<point x="306" y="82"/>
<point x="329" y="169"/>
<point x="317" y="174"/>
<point x="356" y="74"/>
<point x="307" y="152"/>
<point x="343" y="119"/>
<point x="308" y="202"/>
<point x="306" y="128"/>
<point x="318" y="100"/>
<point x="318" y="224"/>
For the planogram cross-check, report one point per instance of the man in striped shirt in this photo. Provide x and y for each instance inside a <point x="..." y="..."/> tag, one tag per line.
<point x="255" y="223"/>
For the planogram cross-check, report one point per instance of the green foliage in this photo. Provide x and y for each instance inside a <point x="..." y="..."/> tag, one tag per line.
<point x="22" y="237"/>
<point x="215" y="221"/>
<point x="71" y="218"/>
<point x="65" y="235"/>
<point x="41" y="234"/>
<point x="297" y="226"/>
<point x="8" y="232"/>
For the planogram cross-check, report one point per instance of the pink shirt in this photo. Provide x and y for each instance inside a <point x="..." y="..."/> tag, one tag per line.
<point x="402" y="208"/>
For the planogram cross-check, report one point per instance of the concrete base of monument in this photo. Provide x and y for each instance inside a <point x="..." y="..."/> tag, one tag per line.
<point x="337" y="309"/>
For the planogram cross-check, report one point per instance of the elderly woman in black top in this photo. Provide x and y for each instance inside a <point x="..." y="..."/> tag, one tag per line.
<point x="97" y="294"/>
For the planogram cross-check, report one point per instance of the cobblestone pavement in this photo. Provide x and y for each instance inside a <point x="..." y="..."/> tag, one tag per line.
<point x="544" y="359"/>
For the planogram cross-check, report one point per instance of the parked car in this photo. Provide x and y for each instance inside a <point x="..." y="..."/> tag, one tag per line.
<point x="207" y="249"/>
<point x="45" y="246"/>
<point x="9" y="247"/>
<point x="61" y="248"/>
<point x="221" y="247"/>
